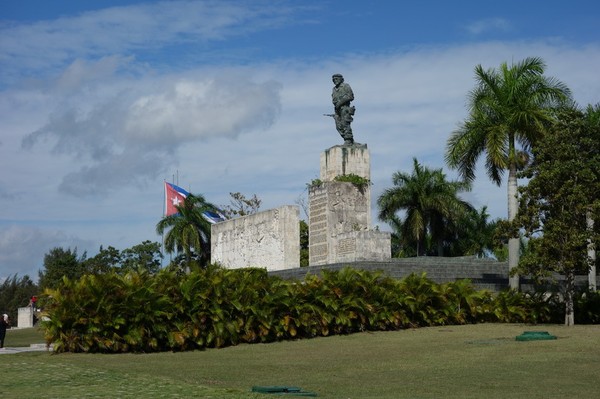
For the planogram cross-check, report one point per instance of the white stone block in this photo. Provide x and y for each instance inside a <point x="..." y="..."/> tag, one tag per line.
<point x="358" y="246"/>
<point x="268" y="239"/>
<point x="345" y="160"/>
<point x="25" y="317"/>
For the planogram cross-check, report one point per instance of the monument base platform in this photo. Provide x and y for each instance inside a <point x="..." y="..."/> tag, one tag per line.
<point x="340" y="212"/>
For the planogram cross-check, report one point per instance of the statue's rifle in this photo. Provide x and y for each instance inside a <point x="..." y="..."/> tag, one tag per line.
<point x="332" y="115"/>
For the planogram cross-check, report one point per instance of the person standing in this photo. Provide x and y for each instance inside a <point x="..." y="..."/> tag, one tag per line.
<point x="341" y="97"/>
<point x="3" y="326"/>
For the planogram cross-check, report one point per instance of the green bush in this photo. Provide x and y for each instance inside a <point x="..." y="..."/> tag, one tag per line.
<point x="587" y="307"/>
<point x="215" y="307"/>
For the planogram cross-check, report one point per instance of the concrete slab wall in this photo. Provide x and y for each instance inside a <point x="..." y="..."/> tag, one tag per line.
<point x="269" y="239"/>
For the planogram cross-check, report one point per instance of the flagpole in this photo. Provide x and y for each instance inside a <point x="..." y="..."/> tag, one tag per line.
<point x="163" y="215"/>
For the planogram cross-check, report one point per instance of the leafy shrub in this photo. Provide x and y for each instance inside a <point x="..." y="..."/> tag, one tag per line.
<point x="359" y="182"/>
<point x="215" y="307"/>
<point x="587" y="307"/>
<point x="314" y="183"/>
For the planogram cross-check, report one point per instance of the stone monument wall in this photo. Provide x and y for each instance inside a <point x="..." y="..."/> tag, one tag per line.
<point x="318" y="247"/>
<point x="340" y="212"/>
<point x="269" y="239"/>
<point x="335" y="208"/>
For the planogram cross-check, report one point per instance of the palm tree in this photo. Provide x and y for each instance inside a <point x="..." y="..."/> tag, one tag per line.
<point x="474" y="235"/>
<point x="430" y="203"/>
<point x="189" y="231"/>
<point x="510" y="106"/>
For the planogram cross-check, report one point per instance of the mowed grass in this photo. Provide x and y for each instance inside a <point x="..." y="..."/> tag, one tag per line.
<point x="23" y="337"/>
<point x="473" y="361"/>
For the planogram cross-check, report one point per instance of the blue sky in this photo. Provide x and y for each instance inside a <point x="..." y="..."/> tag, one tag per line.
<point x="101" y="101"/>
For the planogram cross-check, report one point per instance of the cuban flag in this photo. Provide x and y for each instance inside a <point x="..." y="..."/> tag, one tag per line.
<point x="174" y="196"/>
<point x="214" y="216"/>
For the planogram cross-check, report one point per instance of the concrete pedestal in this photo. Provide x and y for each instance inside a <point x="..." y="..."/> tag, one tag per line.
<point x="340" y="212"/>
<point x="25" y="317"/>
<point x="345" y="160"/>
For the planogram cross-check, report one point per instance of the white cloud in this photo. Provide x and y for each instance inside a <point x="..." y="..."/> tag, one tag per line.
<point x="47" y="45"/>
<point x="192" y="109"/>
<point x="489" y="25"/>
<point x="102" y="122"/>
<point x="132" y="133"/>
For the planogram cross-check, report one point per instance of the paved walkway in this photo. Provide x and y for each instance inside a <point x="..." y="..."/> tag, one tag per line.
<point x="19" y="349"/>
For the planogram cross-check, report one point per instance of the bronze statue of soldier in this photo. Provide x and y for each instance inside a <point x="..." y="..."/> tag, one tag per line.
<point x="341" y="97"/>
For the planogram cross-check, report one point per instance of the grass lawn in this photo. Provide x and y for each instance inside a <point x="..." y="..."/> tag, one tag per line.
<point x="23" y="337"/>
<point x="474" y="361"/>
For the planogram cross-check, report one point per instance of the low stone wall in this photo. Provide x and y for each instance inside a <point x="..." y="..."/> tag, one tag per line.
<point x="484" y="273"/>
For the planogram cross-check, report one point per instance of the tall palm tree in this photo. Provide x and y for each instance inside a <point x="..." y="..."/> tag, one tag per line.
<point x="188" y="230"/>
<point x="430" y="202"/>
<point x="509" y="109"/>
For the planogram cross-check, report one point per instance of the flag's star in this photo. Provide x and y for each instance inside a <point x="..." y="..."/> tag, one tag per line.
<point x="176" y="201"/>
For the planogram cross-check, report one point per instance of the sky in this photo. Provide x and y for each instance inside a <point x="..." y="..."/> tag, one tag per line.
<point x="102" y="101"/>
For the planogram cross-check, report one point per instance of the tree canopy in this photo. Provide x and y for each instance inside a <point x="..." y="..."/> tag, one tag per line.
<point x="431" y="207"/>
<point x="563" y="194"/>
<point x="241" y="206"/>
<point x="188" y="231"/>
<point x="510" y="108"/>
<point x="59" y="263"/>
<point x="15" y="293"/>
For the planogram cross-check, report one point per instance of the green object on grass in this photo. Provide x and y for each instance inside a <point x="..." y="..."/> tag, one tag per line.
<point x="282" y="390"/>
<point x="535" y="336"/>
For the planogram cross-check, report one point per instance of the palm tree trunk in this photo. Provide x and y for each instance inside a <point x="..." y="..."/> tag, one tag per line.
<point x="591" y="255"/>
<point x="513" y="243"/>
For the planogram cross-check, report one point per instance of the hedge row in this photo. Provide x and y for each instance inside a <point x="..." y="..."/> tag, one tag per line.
<point x="216" y="307"/>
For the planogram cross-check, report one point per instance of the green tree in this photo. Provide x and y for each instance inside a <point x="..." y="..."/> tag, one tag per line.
<point x="509" y="110"/>
<point x="145" y="256"/>
<point x="104" y="261"/>
<point x="563" y="192"/>
<point x="188" y="230"/>
<point x="474" y="234"/>
<point x="15" y="293"/>
<point x="303" y="243"/>
<point x="431" y="205"/>
<point x="241" y="206"/>
<point x="401" y="247"/>
<point x="59" y="263"/>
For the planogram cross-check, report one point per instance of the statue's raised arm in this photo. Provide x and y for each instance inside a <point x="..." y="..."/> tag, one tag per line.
<point x="341" y="97"/>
